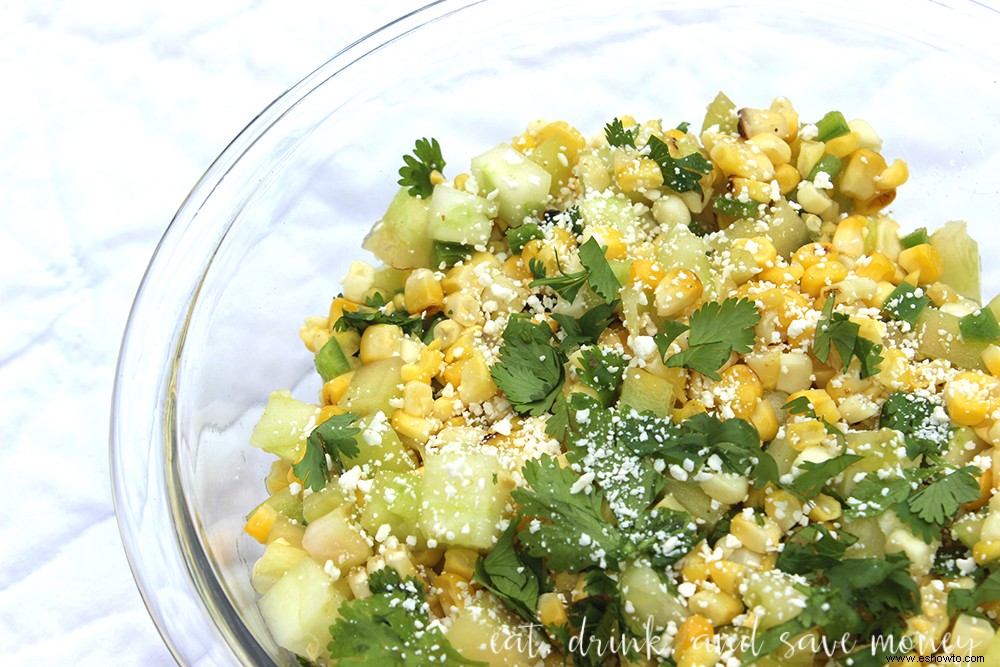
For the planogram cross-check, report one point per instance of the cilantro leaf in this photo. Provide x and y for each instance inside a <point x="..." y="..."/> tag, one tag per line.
<point x="925" y="530"/>
<point x="618" y="136"/>
<point x="415" y="174"/>
<point x="600" y="277"/>
<point x="671" y="330"/>
<point x="516" y="578"/>
<point x="602" y="371"/>
<point x="374" y="313"/>
<point x="836" y="330"/>
<point x="333" y="438"/>
<point x="812" y="548"/>
<point x="960" y="600"/>
<point x="717" y="330"/>
<point x="391" y="627"/>
<point x="588" y="328"/>
<point x="882" y="588"/>
<point x="530" y="370"/>
<point x="939" y="501"/>
<point x="873" y="496"/>
<point x="557" y="426"/>
<point x="914" y="417"/>
<point x="679" y="174"/>
<point x="810" y="483"/>
<point x="566" y="285"/>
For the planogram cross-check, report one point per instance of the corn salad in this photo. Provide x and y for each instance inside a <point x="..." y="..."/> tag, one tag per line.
<point x="656" y="396"/>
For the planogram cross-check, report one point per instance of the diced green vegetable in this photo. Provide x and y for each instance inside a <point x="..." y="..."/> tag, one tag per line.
<point x="447" y="255"/>
<point x="460" y="217"/>
<point x="463" y="499"/>
<point x="917" y="237"/>
<point x="960" y="256"/>
<point x="394" y="500"/>
<point x="279" y="557"/>
<point x="282" y="429"/>
<point x="831" y="126"/>
<point x="906" y="303"/>
<point x="400" y="238"/>
<point x="518" y="236"/>
<point x="828" y="164"/>
<point x="379" y="447"/>
<point x="331" y="361"/>
<point x="939" y="337"/>
<point x="980" y="325"/>
<point x="373" y="387"/>
<point x="521" y="186"/>
<point x="642" y="391"/>
<point x="721" y="112"/>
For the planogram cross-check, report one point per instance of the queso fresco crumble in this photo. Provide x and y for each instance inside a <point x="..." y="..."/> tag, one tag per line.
<point x="659" y="396"/>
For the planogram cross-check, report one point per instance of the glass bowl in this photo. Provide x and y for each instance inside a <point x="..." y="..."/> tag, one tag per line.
<point x="267" y="232"/>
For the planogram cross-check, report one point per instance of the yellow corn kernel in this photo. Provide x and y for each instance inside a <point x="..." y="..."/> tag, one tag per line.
<point x="551" y="610"/>
<point x="338" y="306"/>
<point x="805" y="434"/>
<point x="463" y="307"/>
<point x="986" y="551"/>
<point x="727" y="575"/>
<point x="422" y="291"/>
<point x="515" y="268"/>
<point x="736" y="158"/>
<point x="991" y="358"/>
<point x="695" y="631"/>
<point x="781" y="274"/>
<point x="924" y="260"/>
<point x="759" y="191"/>
<point x="783" y="106"/>
<point x="426" y="369"/>
<point x="328" y="411"/>
<point x="476" y="384"/>
<point x="636" y="174"/>
<point x="758" y="538"/>
<point x="775" y="148"/>
<point x="874" y="204"/>
<point x="460" y="561"/>
<point x="767" y="366"/>
<point x="814" y="253"/>
<point x="743" y="385"/>
<point x="612" y="240"/>
<point x="876" y="266"/>
<point x="857" y="178"/>
<point x="452" y="591"/>
<point x="452" y="373"/>
<point x="259" y="524"/>
<point x="718" y="607"/>
<point x="764" y="420"/>
<point x="940" y="294"/>
<point x="971" y="396"/>
<point x="783" y="508"/>
<point x="821" y="402"/>
<point x="688" y="410"/>
<point x="788" y="178"/>
<point x="418" y="398"/>
<point x="315" y="333"/>
<point x="821" y="275"/>
<point x="895" y="371"/>
<point x="893" y="176"/>
<point x="380" y="341"/>
<point x="761" y="248"/>
<point x="334" y="388"/>
<point x="843" y="145"/>
<point x="417" y="428"/>
<point x="883" y="290"/>
<point x="825" y="508"/>
<point x="849" y="237"/>
<point x="695" y="571"/>
<point x="648" y="272"/>
<point x="680" y="289"/>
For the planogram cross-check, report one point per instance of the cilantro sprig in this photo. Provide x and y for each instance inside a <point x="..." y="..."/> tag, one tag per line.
<point x="415" y="174"/>
<point x="921" y="420"/>
<point x="374" y="312"/>
<point x="392" y="627"/>
<point x="679" y="174"/>
<point x="586" y="329"/>
<point x="514" y="576"/>
<point x="530" y="370"/>
<point x="618" y="136"/>
<point x="334" y="438"/>
<point x="596" y="272"/>
<point x="717" y="330"/>
<point x="836" y="330"/>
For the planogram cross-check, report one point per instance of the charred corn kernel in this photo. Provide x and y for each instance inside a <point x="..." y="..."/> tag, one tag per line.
<point x="463" y="307"/>
<point x="822" y="275"/>
<point x="783" y="106"/>
<point x="648" y="272"/>
<point x="971" y="396"/>
<point x="893" y="176"/>
<point x="754" y="122"/>
<point x="678" y="290"/>
<point x="636" y="174"/>
<point x="380" y="341"/>
<point x="422" y="291"/>
<point x="452" y="373"/>
<point x="895" y="371"/>
<point x="476" y="383"/>
<point x="764" y="420"/>
<point x="991" y="358"/>
<point x="806" y="434"/>
<point x="551" y="610"/>
<point x="418" y="398"/>
<point x="328" y="411"/>
<point x="460" y="561"/>
<point x="760" y="247"/>
<point x="924" y="260"/>
<point x="775" y="148"/>
<point x="416" y="428"/>
<point x="843" y="145"/>
<point x="814" y="253"/>
<point x="874" y="204"/>
<point x="781" y="274"/>
<point x="783" y="508"/>
<point x="334" y="388"/>
<point x="876" y="266"/>
<point x="359" y="279"/>
<point x="743" y="160"/>
<point x="757" y="537"/>
<point x="259" y="524"/>
<point x="611" y="239"/>
<point x="315" y="333"/>
<point x="857" y="177"/>
<point x="787" y="177"/>
<point x="825" y="508"/>
<point x="986" y="551"/>
<point x="338" y="306"/>
<point x="718" y="607"/>
<point x="452" y="590"/>
<point x="849" y="237"/>
<point x="426" y="369"/>
<point x="758" y="191"/>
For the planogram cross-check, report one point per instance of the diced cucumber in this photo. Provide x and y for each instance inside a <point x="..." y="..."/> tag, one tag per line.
<point x="400" y="238"/>
<point x="350" y="343"/>
<point x="457" y="216"/>
<point x="871" y="539"/>
<point x="394" y="500"/>
<point x="939" y="337"/>
<point x="285" y="502"/>
<point x="641" y="390"/>
<point x="286" y="529"/>
<point x="775" y="593"/>
<point x="279" y="557"/>
<point x="463" y="499"/>
<point x="283" y="427"/>
<point x="373" y="387"/>
<point x="647" y="598"/>
<point x="697" y="503"/>
<point x="679" y="247"/>
<point x="721" y="112"/>
<point x="522" y="186"/>
<point x="484" y="630"/>
<point x="379" y="446"/>
<point x="785" y="228"/>
<point x="324" y="501"/>
<point x="331" y="361"/>
<point x="960" y="255"/>
<point x="883" y="236"/>
<point x="300" y="608"/>
<point x="969" y="528"/>
<point x="883" y="449"/>
<point x="334" y="537"/>
<point x="783" y="453"/>
<point x="963" y="446"/>
<point x="390" y="280"/>
<point x="610" y="210"/>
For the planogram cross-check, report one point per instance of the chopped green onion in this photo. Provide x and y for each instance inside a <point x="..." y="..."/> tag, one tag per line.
<point x="830" y="164"/>
<point x="906" y="303"/>
<point x="449" y="254"/>
<point x="728" y="205"/>
<point x="517" y="237"/>
<point x="831" y="126"/>
<point x="980" y="325"/>
<point x="915" y="238"/>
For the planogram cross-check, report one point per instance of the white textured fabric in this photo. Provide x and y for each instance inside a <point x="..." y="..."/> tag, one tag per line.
<point x="110" y="112"/>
